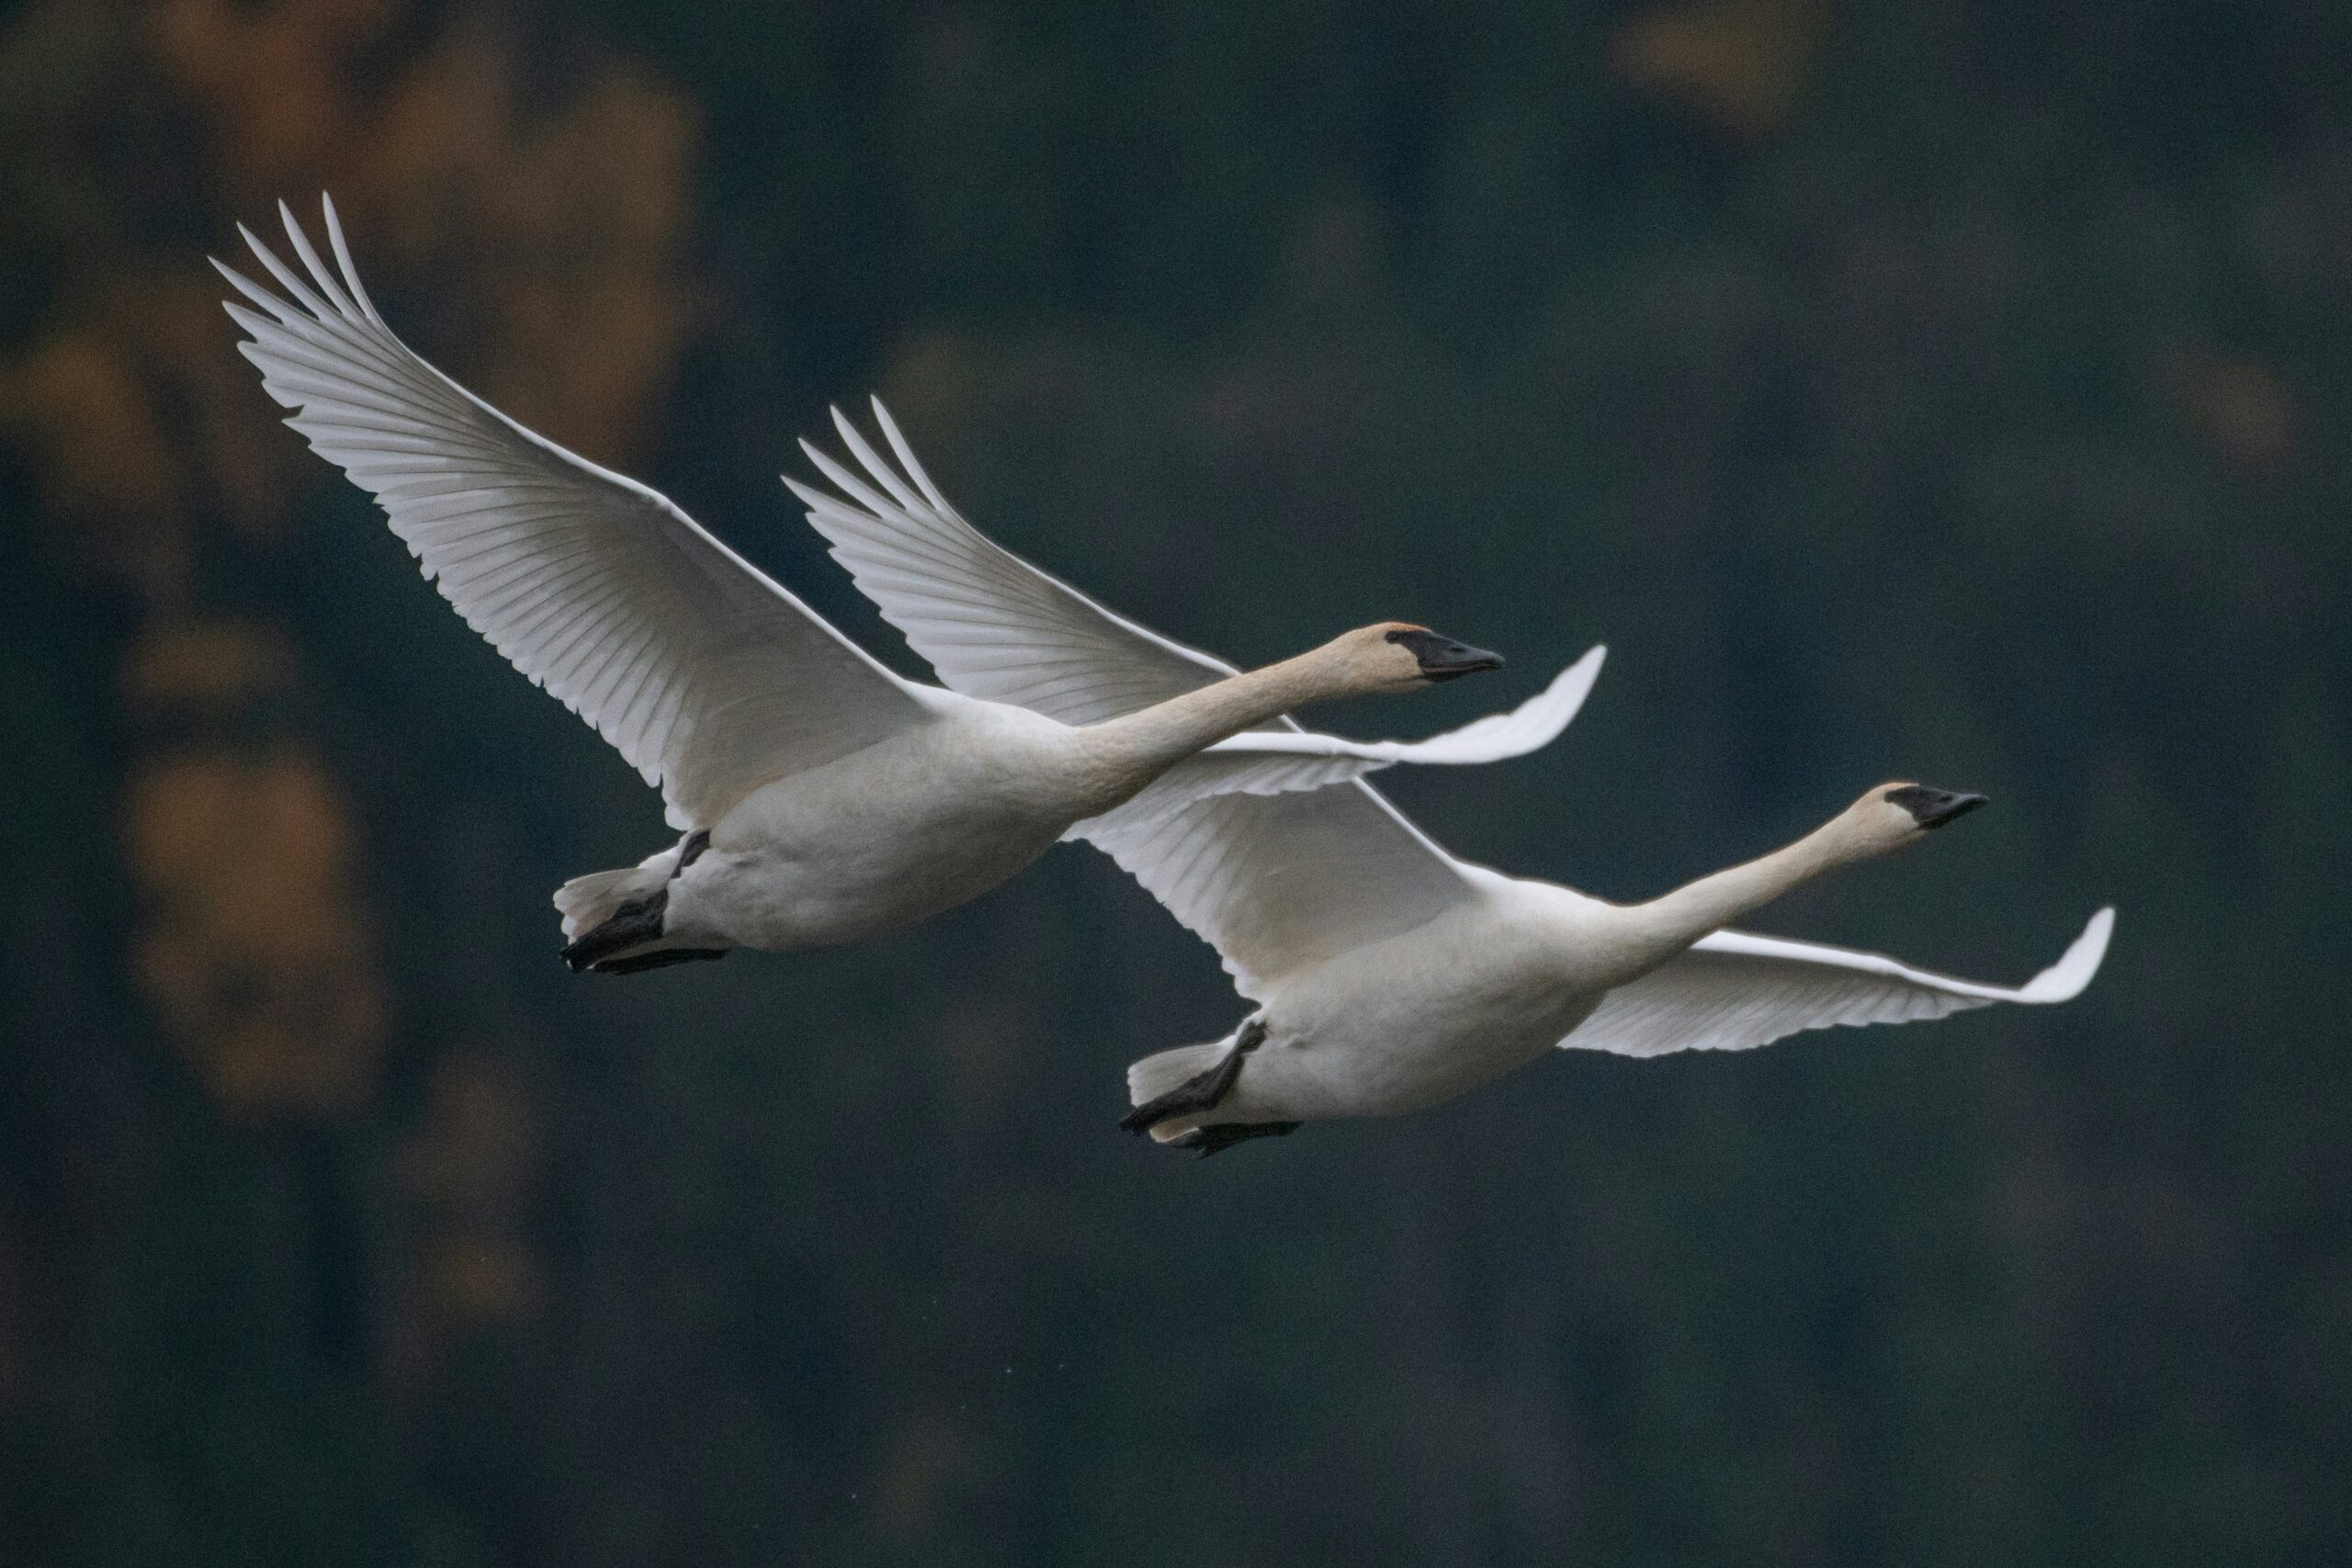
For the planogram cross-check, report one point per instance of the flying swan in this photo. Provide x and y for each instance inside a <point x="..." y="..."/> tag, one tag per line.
<point x="1391" y="975"/>
<point x="821" y="797"/>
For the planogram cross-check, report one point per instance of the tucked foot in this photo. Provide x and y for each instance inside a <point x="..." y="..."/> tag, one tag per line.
<point x="1202" y="1091"/>
<point x="626" y="928"/>
<point x="1225" y="1135"/>
<point x="660" y="958"/>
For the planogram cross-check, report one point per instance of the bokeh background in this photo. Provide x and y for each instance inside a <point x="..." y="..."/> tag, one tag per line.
<point x="1930" y="387"/>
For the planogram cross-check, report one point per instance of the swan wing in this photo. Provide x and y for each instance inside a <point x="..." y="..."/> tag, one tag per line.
<point x="1734" y="990"/>
<point x="708" y="676"/>
<point x="992" y="625"/>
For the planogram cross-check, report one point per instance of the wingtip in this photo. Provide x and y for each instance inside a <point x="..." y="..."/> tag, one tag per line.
<point x="2075" y="968"/>
<point x="1574" y="684"/>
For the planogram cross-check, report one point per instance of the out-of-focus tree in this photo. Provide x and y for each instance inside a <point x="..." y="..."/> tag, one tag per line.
<point x="550" y="207"/>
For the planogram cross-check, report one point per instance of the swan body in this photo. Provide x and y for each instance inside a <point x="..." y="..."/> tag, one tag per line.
<point x="1390" y="975"/>
<point x="889" y="835"/>
<point x="822" y="798"/>
<point x="1407" y="1020"/>
<point x="1517" y="968"/>
<point x="885" y="837"/>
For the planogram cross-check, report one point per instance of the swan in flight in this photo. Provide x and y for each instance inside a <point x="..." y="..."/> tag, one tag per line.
<point x="821" y="797"/>
<point x="1391" y="975"/>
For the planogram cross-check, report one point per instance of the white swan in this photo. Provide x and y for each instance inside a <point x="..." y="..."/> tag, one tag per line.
<point x="822" y="797"/>
<point x="1392" y="975"/>
<point x="1403" y="977"/>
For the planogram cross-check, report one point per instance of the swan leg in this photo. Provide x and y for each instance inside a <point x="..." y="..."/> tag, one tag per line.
<point x="627" y="926"/>
<point x="1202" y="1091"/>
<point x="1225" y="1135"/>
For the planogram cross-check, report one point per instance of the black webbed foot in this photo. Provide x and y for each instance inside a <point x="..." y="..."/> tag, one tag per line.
<point x="1202" y="1091"/>
<point x="660" y="958"/>
<point x="1225" y="1135"/>
<point x="626" y="927"/>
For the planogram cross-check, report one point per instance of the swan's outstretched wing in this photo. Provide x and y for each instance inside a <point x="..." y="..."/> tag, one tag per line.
<point x="992" y="625"/>
<point x="996" y="626"/>
<point x="1734" y="990"/>
<point x="709" y="677"/>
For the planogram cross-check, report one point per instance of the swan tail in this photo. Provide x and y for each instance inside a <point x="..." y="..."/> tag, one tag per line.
<point x="617" y="922"/>
<point x="587" y="902"/>
<point x="1157" y="1075"/>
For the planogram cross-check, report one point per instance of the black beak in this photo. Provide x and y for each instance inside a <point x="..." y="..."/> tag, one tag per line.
<point x="1441" y="658"/>
<point x="1931" y="808"/>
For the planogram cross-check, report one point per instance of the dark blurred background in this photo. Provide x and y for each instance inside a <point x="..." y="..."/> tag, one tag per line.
<point x="1936" y="390"/>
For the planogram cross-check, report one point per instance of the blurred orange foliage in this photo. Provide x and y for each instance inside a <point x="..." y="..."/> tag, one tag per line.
<point x="255" y="951"/>
<point x="218" y="663"/>
<point x="1743" y="63"/>
<point x="542" y="220"/>
<point x="2244" y="411"/>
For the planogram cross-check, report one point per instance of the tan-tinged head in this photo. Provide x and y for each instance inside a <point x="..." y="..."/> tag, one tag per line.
<point x="1397" y="656"/>
<point x="1892" y="816"/>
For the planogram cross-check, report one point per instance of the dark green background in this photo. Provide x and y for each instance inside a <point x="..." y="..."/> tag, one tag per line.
<point x="1983" y="419"/>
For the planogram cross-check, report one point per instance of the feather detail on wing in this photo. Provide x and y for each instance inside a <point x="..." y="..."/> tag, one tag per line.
<point x="992" y="624"/>
<point x="706" y="675"/>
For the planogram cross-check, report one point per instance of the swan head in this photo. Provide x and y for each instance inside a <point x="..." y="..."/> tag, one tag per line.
<point x="1396" y="656"/>
<point x="1895" y="814"/>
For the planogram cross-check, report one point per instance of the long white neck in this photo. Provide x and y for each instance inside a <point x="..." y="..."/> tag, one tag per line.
<point x="1151" y="741"/>
<point x="1670" y="923"/>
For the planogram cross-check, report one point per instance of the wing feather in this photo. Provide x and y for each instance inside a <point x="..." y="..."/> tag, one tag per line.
<point x="709" y="677"/>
